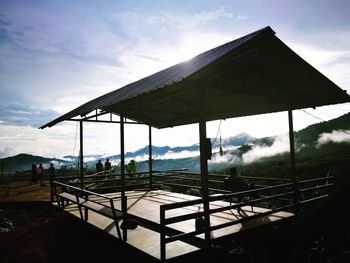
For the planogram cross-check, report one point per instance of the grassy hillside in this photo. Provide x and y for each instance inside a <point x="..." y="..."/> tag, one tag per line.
<point x="310" y="134"/>
<point x="23" y="162"/>
<point x="312" y="158"/>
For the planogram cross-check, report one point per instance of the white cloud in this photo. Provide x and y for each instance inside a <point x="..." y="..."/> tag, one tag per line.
<point x="177" y="155"/>
<point x="25" y="115"/>
<point x="5" y="152"/>
<point x="55" y="142"/>
<point x="242" y="17"/>
<point x="336" y="136"/>
<point x="280" y="145"/>
<point x="155" y="49"/>
<point x="204" y="17"/>
<point x="316" y="55"/>
<point x="333" y="63"/>
<point x="225" y="158"/>
<point x="168" y="21"/>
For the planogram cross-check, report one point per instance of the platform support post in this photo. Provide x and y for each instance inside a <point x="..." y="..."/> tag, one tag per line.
<point x="296" y="196"/>
<point x="204" y="177"/>
<point x="150" y="156"/>
<point x="81" y="155"/>
<point x="122" y="173"/>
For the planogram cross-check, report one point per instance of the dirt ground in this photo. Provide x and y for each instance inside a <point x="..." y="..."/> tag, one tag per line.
<point x="24" y="191"/>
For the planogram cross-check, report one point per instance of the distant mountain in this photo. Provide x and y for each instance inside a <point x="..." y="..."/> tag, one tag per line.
<point x="160" y="152"/>
<point x="237" y="140"/>
<point x="234" y="147"/>
<point x="23" y="162"/>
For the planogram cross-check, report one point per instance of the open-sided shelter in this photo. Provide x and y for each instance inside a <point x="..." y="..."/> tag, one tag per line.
<point x="254" y="74"/>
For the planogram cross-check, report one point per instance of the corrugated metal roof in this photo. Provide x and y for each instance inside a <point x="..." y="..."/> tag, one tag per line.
<point x="253" y="74"/>
<point x="158" y="80"/>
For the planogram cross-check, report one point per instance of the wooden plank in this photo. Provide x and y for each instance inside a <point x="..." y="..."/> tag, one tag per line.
<point x="98" y="208"/>
<point x="102" y="209"/>
<point x="146" y="205"/>
<point x="70" y="197"/>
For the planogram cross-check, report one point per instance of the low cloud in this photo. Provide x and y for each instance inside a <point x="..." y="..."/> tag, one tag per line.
<point x="336" y="136"/>
<point x="54" y="142"/>
<point x="280" y="145"/>
<point x="225" y="158"/>
<point x="7" y="151"/>
<point x="25" y="115"/>
<point x="177" y="155"/>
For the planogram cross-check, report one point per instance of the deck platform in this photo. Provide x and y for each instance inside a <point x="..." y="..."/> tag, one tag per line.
<point x="146" y="205"/>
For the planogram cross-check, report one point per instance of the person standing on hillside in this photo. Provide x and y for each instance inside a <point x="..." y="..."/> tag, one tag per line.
<point x="108" y="166"/>
<point x="34" y="177"/>
<point x="41" y="173"/>
<point x="234" y="183"/>
<point x="52" y="177"/>
<point x="99" y="166"/>
<point x="52" y="173"/>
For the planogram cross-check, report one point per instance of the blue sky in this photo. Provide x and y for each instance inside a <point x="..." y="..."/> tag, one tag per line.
<point x="56" y="55"/>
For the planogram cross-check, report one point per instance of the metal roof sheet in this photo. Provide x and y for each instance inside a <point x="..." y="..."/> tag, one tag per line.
<point x="254" y="74"/>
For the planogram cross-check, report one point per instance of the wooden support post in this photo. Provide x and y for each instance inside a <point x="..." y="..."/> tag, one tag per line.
<point x="204" y="156"/>
<point x="162" y="234"/>
<point x="203" y="147"/>
<point x="150" y="156"/>
<point x="122" y="172"/>
<point x="292" y="163"/>
<point x="81" y="160"/>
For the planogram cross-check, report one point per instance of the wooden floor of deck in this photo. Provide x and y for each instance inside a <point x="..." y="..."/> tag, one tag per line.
<point x="145" y="204"/>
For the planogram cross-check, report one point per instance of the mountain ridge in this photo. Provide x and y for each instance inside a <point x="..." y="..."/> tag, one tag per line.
<point x="307" y="136"/>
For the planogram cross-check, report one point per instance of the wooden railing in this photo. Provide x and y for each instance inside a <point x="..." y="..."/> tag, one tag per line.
<point x="285" y="192"/>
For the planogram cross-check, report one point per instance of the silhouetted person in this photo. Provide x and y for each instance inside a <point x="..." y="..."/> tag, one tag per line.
<point x="52" y="177"/>
<point x="234" y="183"/>
<point x="52" y="173"/>
<point x="34" y="177"/>
<point x="99" y="166"/>
<point x="108" y="165"/>
<point x="41" y="173"/>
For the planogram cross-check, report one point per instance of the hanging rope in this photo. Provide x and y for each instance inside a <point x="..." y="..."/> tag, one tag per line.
<point x="217" y="133"/>
<point x="75" y="143"/>
<point x="221" y="151"/>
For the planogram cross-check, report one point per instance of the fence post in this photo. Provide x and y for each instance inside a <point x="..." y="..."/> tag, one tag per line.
<point x="125" y="216"/>
<point x="162" y="234"/>
<point x="150" y="156"/>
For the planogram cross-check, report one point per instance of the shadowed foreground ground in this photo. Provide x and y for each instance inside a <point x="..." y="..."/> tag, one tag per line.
<point x="40" y="232"/>
<point x="58" y="237"/>
<point x="32" y="230"/>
